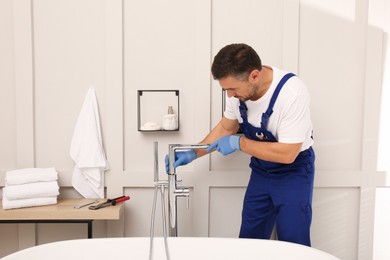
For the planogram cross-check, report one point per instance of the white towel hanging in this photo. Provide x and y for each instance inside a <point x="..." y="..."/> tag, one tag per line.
<point x="87" y="150"/>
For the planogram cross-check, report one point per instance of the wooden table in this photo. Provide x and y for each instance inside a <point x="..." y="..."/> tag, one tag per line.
<point x="62" y="212"/>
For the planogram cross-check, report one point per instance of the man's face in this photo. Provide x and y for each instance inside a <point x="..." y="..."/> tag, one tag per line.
<point x="241" y="89"/>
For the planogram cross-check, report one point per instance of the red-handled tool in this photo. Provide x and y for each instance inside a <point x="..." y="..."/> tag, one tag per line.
<point x="110" y="202"/>
<point x="120" y="199"/>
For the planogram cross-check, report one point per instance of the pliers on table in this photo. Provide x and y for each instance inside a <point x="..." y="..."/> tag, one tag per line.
<point x="110" y="202"/>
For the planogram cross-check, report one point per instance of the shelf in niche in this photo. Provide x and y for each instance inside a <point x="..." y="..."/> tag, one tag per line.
<point x="153" y="106"/>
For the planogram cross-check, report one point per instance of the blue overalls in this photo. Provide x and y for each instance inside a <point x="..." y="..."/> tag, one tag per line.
<point x="277" y="193"/>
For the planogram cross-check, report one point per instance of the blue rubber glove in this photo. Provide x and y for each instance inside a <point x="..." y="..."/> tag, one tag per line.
<point x="181" y="158"/>
<point x="226" y="145"/>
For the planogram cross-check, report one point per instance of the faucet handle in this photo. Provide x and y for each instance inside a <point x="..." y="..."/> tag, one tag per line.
<point x="184" y="192"/>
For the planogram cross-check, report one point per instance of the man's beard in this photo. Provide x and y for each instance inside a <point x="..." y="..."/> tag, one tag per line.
<point x="251" y="94"/>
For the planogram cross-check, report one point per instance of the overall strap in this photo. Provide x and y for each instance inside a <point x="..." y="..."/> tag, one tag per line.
<point x="268" y="113"/>
<point x="243" y="112"/>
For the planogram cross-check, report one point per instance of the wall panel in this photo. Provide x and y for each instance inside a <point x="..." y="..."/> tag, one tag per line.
<point x="7" y="94"/>
<point x="69" y="58"/>
<point x="382" y="225"/>
<point x="9" y="158"/>
<point x="335" y="218"/>
<point x="333" y="69"/>
<point x="233" y="24"/>
<point x="159" y="53"/>
<point x="225" y="211"/>
<point x="138" y="213"/>
<point x="10" y="242"/>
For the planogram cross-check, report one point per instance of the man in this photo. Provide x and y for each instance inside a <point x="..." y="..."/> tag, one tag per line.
<point x="271" y="107"/>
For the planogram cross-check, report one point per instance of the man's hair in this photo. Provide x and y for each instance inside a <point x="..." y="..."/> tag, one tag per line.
<point x="237" y="60"/>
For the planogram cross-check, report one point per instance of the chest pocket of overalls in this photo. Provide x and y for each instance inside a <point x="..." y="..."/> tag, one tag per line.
<point x="255" y="133"/>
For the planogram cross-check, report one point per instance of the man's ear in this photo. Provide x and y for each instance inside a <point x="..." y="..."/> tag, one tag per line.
<point x="254" y="75"/>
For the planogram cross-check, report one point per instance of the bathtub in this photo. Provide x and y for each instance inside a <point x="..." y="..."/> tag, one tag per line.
<point x="137" y="248"/>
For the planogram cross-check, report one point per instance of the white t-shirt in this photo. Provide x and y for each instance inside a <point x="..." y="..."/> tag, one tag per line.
<point x="290" y="121"/>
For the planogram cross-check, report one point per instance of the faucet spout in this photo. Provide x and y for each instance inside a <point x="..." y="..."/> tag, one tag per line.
<point x="173" y="190"/>
<point x="173" y="148"/>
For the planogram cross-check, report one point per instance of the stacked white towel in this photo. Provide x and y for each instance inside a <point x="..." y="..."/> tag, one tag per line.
<point x="30" y="187"/>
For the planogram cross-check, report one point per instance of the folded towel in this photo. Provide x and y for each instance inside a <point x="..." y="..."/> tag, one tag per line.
<point x="87" y="151"/>
<point x="29" y="175"/>
<point x="33" y="202"/>
<point x="31" y="190"/>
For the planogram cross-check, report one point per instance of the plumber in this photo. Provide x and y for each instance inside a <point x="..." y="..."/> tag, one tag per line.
<point x="267" y="116"/>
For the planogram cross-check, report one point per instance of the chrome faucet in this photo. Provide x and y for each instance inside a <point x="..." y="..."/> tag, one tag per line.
<point x="173" y="190"/>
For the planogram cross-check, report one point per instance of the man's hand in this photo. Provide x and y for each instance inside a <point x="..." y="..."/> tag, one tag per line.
<point x="226" y="145"/>
<point x="181" y="158"/>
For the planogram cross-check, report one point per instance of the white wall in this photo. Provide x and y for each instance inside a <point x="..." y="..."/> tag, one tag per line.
<point x="53" y="50"/>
